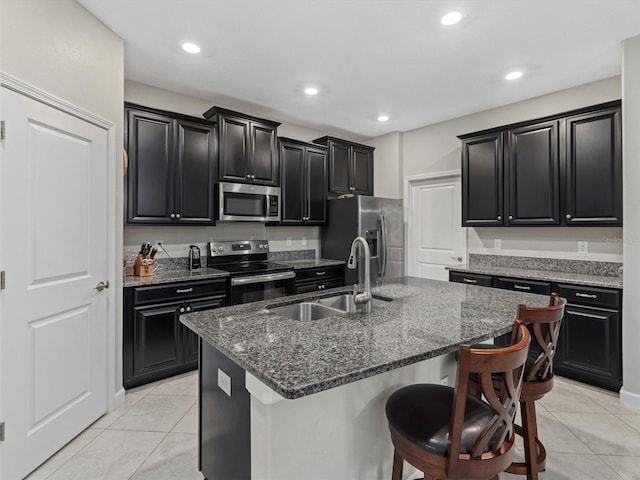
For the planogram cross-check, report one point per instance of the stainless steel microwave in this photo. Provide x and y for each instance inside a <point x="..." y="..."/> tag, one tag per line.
<point x="248" y="203"/>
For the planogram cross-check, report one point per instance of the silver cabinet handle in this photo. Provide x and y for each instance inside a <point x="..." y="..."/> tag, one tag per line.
<point x="321" y="273"/>
<point x="499" y="217"/>
<point x="248" y="176"/>
<point x="184" y="290"/>
<point x="177" y="215"/>
<point x="568" y="216"/>
<point x="510" y="217"/>
<point x="269" y="277"/>
<point x="469" y="280"/>
<point x="522" y="287"/>
<point x="188" y="309"/>
<point x="173" y="215"/>
<point x="585" y="295"/>
<point x="182" y="310"/>
<point x="101" y="286"/>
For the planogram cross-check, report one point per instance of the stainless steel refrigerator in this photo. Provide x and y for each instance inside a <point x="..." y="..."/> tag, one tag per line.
<point x="380" y="221"/>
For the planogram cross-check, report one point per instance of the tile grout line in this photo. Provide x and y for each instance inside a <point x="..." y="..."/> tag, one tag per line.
<point x="72" y="456"/>
<point x="150" y="453"/>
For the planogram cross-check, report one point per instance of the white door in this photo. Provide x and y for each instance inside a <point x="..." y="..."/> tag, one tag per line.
<point x="53" y="345"/>
<point x="436" y="238"/>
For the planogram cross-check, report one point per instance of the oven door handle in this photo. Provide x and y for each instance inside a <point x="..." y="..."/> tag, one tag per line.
<point x="268" y="277"/>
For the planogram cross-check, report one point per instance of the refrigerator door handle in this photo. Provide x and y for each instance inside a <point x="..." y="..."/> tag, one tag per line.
<point x="382" y="253"/>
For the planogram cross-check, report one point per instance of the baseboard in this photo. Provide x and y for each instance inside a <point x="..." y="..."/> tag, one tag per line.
<point x="629" y="399"/>
<point x="118" y="399"/>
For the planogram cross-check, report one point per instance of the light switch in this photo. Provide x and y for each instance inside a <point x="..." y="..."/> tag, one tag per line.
<point x="224" y="382"/>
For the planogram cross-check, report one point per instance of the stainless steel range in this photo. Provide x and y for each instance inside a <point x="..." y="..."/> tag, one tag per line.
<point x="252" y="276"/>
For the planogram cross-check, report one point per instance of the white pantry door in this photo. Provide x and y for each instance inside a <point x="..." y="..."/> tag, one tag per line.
<point x="53" y="345"/>
<point x="436" y="237"/>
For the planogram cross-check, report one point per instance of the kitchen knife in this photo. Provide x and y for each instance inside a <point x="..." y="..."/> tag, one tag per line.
<point x="153" y="252"/>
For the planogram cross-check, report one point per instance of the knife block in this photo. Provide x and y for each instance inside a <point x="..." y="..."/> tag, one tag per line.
<point x="143" y="266"/>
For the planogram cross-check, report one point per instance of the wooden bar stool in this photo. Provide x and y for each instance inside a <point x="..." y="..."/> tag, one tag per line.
<point x="544" y="325"/>
<point x="452" y="434"/>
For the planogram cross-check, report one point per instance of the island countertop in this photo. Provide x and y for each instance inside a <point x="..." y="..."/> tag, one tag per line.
<point x="424" y="319"/>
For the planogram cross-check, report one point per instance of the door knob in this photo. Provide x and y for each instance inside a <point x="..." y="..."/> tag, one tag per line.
<point x="457" y="258"/>
<point x="101" y="286"/>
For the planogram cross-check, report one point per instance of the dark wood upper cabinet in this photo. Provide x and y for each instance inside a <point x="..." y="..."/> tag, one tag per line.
<point x="247" y="148"/>
<point x="564" y="169"/>
<point x="172" y="168"/>
<point x="482" y="177"/>
<point x="594" y="164"/>
<point x="303" y="183"/>
<point x="350" y="166"/>
<point x="533" y="162"/>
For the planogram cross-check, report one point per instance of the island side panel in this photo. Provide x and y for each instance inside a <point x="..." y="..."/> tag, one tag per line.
<point x="225" y="421"/>
<point x="340" y="433"/>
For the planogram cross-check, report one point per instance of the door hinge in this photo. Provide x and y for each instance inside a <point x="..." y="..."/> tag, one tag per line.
<point x="1" y="431"/>
<point x="2" y="280"/>
<point x="2" y="132"/>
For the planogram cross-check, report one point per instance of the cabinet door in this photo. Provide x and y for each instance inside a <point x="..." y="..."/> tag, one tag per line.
<point x="534" y="170"/>
<point x="149" y="181"/>
<point x="362" y="170"/>
<point x="590" y="347"/>
<point x="195" y="173"/>
<point x="234" y="148"/>
<point x="264" y="156"/>
<point x="339" y="161"/>
<point x="316" y="186"/>
<point x="482" y="176"/>
<point x="594" y="169"/>
<point x="293" y="194"/>
<point x="157" y="342"/>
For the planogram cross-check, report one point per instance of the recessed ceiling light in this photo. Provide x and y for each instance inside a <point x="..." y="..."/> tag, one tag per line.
<point x="311" y="91"/>
<point x="383" y="118"/>
<point x="190" y="47"/>
<point x="451" y="18"/>
<point x="513" y="75"/>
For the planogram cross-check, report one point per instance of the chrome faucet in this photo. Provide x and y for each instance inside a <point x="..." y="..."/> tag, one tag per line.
<point x="361" y="298"/>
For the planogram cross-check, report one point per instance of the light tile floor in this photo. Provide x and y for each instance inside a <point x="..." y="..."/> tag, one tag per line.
<point x="587" y="433"/>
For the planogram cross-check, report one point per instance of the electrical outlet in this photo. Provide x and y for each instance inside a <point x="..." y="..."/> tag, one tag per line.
<point x="304" y="240"/>
<point x="224" y="382"/>
<point x="583" y="247"/>
<point x="159" y="242"/>
<point x="497" y="243"/>
<point x="289" y="242"/>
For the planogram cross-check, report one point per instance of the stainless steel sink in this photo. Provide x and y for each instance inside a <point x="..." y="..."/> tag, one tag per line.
<point x="343" y="302"/>
<point x="305" y="311"/>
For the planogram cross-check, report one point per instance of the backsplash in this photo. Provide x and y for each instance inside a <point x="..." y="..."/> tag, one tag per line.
<point x="608" y="269"/>
<point x="292" y="255"/>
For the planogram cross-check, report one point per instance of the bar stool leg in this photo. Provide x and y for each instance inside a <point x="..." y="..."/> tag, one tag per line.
<point x="530" y="433"/>
<point x="397" y="466"/>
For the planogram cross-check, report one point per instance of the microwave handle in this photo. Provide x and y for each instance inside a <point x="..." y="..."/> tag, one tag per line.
<point x="266" y="205"/>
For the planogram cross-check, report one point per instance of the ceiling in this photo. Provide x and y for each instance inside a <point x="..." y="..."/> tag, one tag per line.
<point x="368" y="57"/>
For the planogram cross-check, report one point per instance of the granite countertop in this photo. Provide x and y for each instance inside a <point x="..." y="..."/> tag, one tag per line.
<point x="425" y="318"/>
<point x="311" y="263"/>
<point x="548" y="275"/>
<point x="174" y="275"/>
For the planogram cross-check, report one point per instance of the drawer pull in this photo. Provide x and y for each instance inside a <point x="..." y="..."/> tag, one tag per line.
<point x="522" y="287"/>
<point x="321" y="273"/>
<point x="586" y="295"/>
<point x="184" y="290"/>
<point x="469" y="280"/>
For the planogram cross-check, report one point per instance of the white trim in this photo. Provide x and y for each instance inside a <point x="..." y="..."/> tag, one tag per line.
<point x="41" y="96"/>
<point x="630" y="399"/>
<point x="115" y="394"/>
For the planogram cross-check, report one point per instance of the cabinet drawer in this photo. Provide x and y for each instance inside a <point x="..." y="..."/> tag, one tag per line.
<point x="576" y="294"/>
<point x="313" y="286"/>
<point x="180" y="291"/>
<point x="471" y="279"/>
<point x="529" y="286"/>
<point x="319" y="273"/>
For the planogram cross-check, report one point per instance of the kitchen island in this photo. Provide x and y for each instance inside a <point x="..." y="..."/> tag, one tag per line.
<point x="307" y="397"/>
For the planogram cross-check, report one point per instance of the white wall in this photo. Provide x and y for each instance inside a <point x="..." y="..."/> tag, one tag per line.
<point x="60" y="48"/>
<point x="436" y="148"/>
<point x="177" y="239"/>
<point x="630" y="394"/>
<point x="387" y="165"/>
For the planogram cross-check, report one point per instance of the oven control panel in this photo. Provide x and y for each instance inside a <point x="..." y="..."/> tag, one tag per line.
<point x="240" y="247"/>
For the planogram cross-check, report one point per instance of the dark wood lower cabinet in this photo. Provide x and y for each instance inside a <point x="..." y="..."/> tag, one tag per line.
<point x="314" y="279"/>
<point x="155" y="344"/>
<point x="590" y="344"/>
